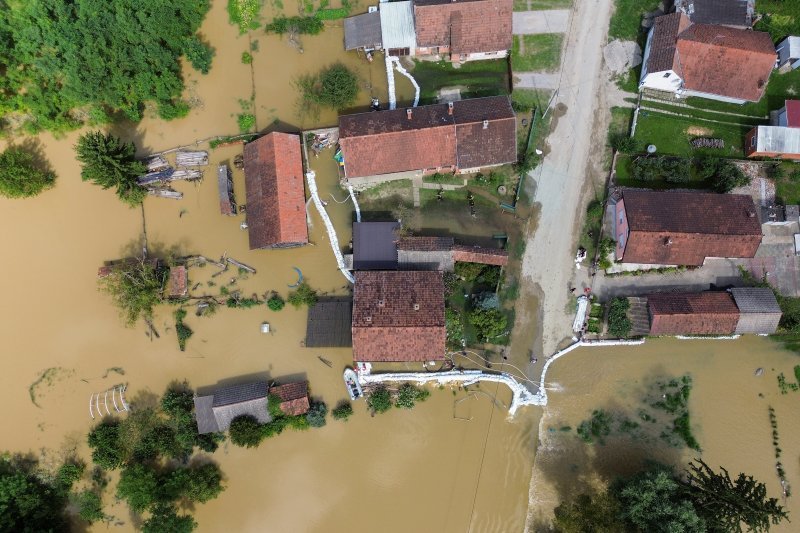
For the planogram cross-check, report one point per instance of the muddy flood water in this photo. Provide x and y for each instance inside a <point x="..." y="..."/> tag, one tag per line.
<point x="453" y="464"/>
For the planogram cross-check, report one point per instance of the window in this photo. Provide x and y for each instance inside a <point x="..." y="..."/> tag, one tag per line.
<point x="753" y="141"/>
<point x="667" y="74"/>
<point x="621" y="216"/>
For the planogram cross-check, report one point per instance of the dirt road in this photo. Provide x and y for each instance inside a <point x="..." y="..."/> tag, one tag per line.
<point x="571" y="168"/>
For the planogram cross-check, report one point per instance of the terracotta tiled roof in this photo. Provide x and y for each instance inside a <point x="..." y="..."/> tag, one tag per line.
<point x="425" y="244"/>
<point x="726" y="61"/>
<point x="398" y="316"/>
<point x="683" y="228"/>
<point x="475" y="254"/>
<point x="467" y="27"/>
<point x="793" y="113"/>
<point x="273" y="170"/>
<point x="478" y="132"/>
<point x="662" y="46"/>
<point x="294" y="397"/>
<point x="178" y="279"/>
<point x="700" y="313"/>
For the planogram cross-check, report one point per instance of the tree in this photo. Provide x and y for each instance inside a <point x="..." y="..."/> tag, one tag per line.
<point x="198" y="53"/>
<point x="343" y="411"/>
<point x="726" y="504"/>
<point x="107" y="450"/>
<point x="598" y="512"/>
<point x="135" y="288"/>
<point x="409" y="395"/>
<point x="488" y="323"/>
<point x="68" y="474"/>
<point x="90" y="506"/>
<point x="653" y="501"/>
<point x="29" y="503"/>
<point x="338" y="86"/>
<point x="275" y="302"/>
<point x="19" y="175"/>
<point x="723" y="174"/>
<point x="165" y="519"/>
<point x="303" y="295"/>
<point x="109" y="162"/>
<point x="379" y="400"/>
<point x="316" y="414"/>
<point x="246" y="431"/>
<point x="139" y="486"/>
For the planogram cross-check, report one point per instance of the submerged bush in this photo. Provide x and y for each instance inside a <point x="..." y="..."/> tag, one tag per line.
<point x="19" y="175"/>
<point x="343" y="411"/>
<point x="379" y="400"/>
<point x="409" y="395"/>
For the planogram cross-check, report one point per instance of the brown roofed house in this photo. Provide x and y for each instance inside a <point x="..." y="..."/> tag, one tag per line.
<point x="462" y="136"/>
<point x="707" y="60"/>
<point x="696" y="313"/>
<point x="683" y="228"/>
<point x="293" y="396"/>
<point x="464" y="29"/>
<point x="178" y="285"/>
<point x="276" y="210"/>
<point x="398" y="316"/>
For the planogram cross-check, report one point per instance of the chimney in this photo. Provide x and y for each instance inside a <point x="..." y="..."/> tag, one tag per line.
<point x="485" y="124"/>
<point x="668" y="241"/>
<point x="416" y="307"/>
<point x="408" y="113"/>
<point x="368" y="319"/>
<point x="381" y="303"/>
<point x="449" y="108"/>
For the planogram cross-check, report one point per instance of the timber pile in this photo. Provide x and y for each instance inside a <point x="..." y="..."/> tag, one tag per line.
<point x="187" y="174"/>
<point x="165" y="193"/>
<point x="705" y="142"/>
<point x="237" y="264"/>
<point x="191" y="159"/>
<point x="153" y="177"/>
<point x="156" y="163"/>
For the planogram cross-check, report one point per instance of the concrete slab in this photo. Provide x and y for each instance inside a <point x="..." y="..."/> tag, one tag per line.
<point x="533" y="22"/>
<point x="536" y="80"/>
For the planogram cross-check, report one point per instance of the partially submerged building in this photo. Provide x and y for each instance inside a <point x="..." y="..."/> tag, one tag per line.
<point x="781" y="138"/>
<point x="363" y="32"/>
<point x="293" y="397"/>
<point x="682" y="228"/>
<point x="461" y="137"/>
<point x="398" y="316"/>
<point x="706" y="60"/>
<point x="214" y="412"/>
<point x="694" y="313"/>
<point x="759" y="311"/>
<point x="329" y="323"/>
<point x="276" y="201"/>
<point x="227" y="203"/>
<point x="178" y="282"/>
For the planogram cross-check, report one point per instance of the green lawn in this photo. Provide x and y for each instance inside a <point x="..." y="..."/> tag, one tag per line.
<point x="621" y="118"/>
<point x="781" y="87"/>
<point x="538" y="5"/>
<point x="446" y="179"/>
<point x="527" y="99"/>
<point x="788" y="188"/>
<point x="706" y="115"/>
<point x="781" y="18"/>
<point x="536" y="52"/>
<point x="478" y="78"/>
<point x="671" y="135"/>
<point x="626" y="22"/>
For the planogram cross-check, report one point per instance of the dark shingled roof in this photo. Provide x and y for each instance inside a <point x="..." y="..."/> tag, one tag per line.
<point x="362" y="31"/>
<point x="384" y="142"/>
<point x="662" y="45"/>
<point x="725" y="12"/>
<point x="697" y="313"/>
<point x="243" y="392"/>
<point x="756" y="300"/>
<point x="329" y="323"/>
<point x="398" y="316"/>
<point x="276" y="201"/>
<point x="374" y="245"/>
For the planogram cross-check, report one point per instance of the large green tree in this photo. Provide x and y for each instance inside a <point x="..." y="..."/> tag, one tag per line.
<point x="66" y="62"/>
<point x="727" y="504"/>
<point x="165" y="519"/>
<point x="135" y="288"/>
<point x="589" y="513"/>
<point x="29" y="502"/>
<point x="20" y="176"/>
<point x="109" y="162"/>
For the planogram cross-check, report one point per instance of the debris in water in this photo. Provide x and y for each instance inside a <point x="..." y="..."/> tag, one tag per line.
<point x="48" y="377"/>
<point x="759" y="372"/>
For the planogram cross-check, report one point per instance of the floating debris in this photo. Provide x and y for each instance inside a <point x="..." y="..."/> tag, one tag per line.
<point x="157" y="176"/>
<point x="165" y="193"/>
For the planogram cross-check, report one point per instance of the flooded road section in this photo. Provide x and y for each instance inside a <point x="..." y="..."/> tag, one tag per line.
<point x="728" y="408"/>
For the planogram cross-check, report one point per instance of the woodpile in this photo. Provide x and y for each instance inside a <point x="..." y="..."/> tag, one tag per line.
<point x="706" y="142"/>
<point x="153" y="177"/>
<point x="187" y="174"/>
<point x="156" y="163"/>
<point x="191" y="159"/>
<point x="165" y="193"/>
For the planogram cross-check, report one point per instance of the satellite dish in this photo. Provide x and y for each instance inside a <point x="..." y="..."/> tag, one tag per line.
<point x="651" y="148"/>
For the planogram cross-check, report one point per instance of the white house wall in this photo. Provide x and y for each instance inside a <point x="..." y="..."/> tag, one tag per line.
<point x="718" y="97"/>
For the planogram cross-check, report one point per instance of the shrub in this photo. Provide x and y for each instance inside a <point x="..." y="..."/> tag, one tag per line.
<point x="68" y="474"/>
<point x="19" y="175"/>
<point x="596" y="428"/>
<point x="303" y="295"/>
<point x="316" y="414"/>
<point x="619" y="325"/>
<point x="670" y="169"/>
<point x="380" y="400"/>
<point x="182" y="330"/>
<point x="300" y="25"/>
<point x="199" y="54"/>
<point x="275" y="303"/>
<point x="723" y="175"/>
<point x="246" y="121"/>
<point x="606" y="247"/>
<point x="623" y="143"/>
<point x="488" y="323"/>
<point x="244" y="13"/>
<point x="247" y="58"/>
<point x="454" y="325"/>
<point x="165" y="519"/>
<point x="332" y="14"/>
<point x="409" y="395"/>
<point x="245" y="431"/>
<point x="107" y="450"/>
<point x="343" y="411"/>
<point x="173" y="109"/>
<point x="468" y="271"/>
<point x="90" y="507"/>
<point x="335" y="86"/>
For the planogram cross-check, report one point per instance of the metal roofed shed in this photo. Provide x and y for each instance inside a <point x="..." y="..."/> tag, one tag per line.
<point x="375" y="245"/>
<point x="397" y="28"/>
<point x="227" y="205"/>
<point x="329" y="323"/>
<point x="363" y="32"/>
<point x="777" y="140"/>
<point x="789" y="52"/>
<point x="758" y="308"/>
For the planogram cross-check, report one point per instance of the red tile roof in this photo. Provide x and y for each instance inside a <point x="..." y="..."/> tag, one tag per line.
<point x="683" y="228"/>
<point x="662" y="45"/>
<point x="725" y="61"/>
<point x="467" y="27"/>
<point x="294" y="397"/>
<point x="425" y="244"/>
<point x="385" y="142"/>
<point x="178" y="280"/>
<point x="476" y="254"/>
<point x="793" y="113"/>
<point x="398" y="316"/>
<point x="276" y="211"/>
<point x="701" y="313"/>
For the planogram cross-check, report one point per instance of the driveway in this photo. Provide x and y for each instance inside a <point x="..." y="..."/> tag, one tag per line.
<point x="548" y="21"/>
<point x="536" y="80"/>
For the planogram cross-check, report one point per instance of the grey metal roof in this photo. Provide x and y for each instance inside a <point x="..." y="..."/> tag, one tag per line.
<point x="363" y="31"/>
<point x="375" y="245"/>
<point x="755" y="300"/>
<point x="330" y="323"/>
<point x="206" y="422"/>
<point x="242" y="392"/>
<point x="778" y="139"/>
<point x="724" y="12"/>
<point x="397" y="25"/>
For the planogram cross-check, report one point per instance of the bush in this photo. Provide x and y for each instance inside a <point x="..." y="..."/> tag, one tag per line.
<point x="409" y="395"/>
<point x="300" y="25"/>
<point x="379" y="400"/>
<point x="244" y="13"/>
<point x="246" y="121"/>
<point x="68" y="474"/>
<point x="335" y="86"/>
<point x="596" y="428"/>
<point x="246" y="431"/>
<point x="619" y="325"/>
<point x="316" y="414"/>
<point x="454" y="326"/>
<point x="173" y="109"/>
<point x="107" y="450"/>
<point x="19" y="175"/>
<point x="623" y="143"/>
<point x="247" y="58"/>
<point x="303" y="295"/>
<point x="670" y="169"/>
<point x="723" y="175"/>
<point x="275" y="303"/>
<point x="488" y="323"/>
<point x="606" y="247"/>
<point x="182" y="330"/>
<point x="468" y="271"/>
<point x="199" y="54"/>
<point x="90" y="507"/>
<point x="343" y="411"/>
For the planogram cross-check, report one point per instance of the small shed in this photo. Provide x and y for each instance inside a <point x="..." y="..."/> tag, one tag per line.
<point x="759" y="311"/>
<point x="693" y="313"/>
<point x="425" y="253"/>
<point x="329" y="323"/>
<point x="363" y="32"/>
<point x="398" y="35"/>
<point x="178" y="286"/>
<point x="227" y="205"/>
<point x="789" y="53"/>
<point x="294" y="397"/>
